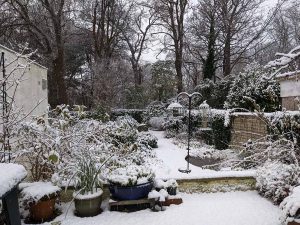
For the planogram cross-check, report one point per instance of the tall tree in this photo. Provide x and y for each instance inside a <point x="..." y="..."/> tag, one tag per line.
<point x="239" y="24"/>
<point x="172" y="15"/>
<point x="136" y="35"/>
<point x="43" y="24"/>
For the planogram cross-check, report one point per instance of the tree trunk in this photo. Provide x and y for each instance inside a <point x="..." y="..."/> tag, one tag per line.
<point x="227" y="53"/>
<point x="57" y="87"/>
<point x="178" y="67"/>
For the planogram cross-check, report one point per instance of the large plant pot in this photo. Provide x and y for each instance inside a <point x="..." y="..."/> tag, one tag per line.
<point x="88" y="207"/>
<point x="132" y="192"/>
<point x="43" y="210"/>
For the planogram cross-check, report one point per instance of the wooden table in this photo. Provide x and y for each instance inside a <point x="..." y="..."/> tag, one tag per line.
<point x="10" y="176"/>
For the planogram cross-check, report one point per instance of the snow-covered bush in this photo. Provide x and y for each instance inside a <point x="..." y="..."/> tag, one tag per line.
<point x="38" y="148"/>
<point x="286" y="124"/>
<point x="124" y="129"/>
<point x="173" y="126"/>
<point x="214" y="93"/>
<point x="258" y="152"/>
<point x="155" y="109"/>
<point x="250" y="89"/>
<point x="131" y="175"/>
<point x="221" y="129"/>
<point x="156" y="123"/>
<point x="147" y="139"/>
<point x="136" y="114"/>
<point x="275" y="180"/>
<point x="290" y="207"/>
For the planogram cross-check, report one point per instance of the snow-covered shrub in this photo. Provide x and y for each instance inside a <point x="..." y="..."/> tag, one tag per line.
<point x="156" y="123"/>
<point x="147" y="139"/>
<point x="275" y="180"/>
<point x="285" y="124"/>
<point x="136" y="114"/>
<point x="250" y="89"/>
<point x="124" y="129"/>
<point x="290" y="207"/>
<point x="173" y="126"/>
<point x="221" y="129"/>
<point x="99" y="114"/>
<point x="214" y="93"/>
<point x="131" y="175"/>
<point x="38" y="148"/>
<point x="258" y="152"/>
<point x="155" y="109"/>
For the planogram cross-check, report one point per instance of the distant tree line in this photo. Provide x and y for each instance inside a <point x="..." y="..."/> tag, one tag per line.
<point x="94" y="49"/>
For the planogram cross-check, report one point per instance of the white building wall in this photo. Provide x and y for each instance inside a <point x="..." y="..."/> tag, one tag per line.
<point x="32" y="93"/>
<point x="289" y="88"/>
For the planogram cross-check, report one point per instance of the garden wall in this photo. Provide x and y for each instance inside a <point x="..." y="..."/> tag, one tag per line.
<point x="289" y="103"/>
<point x="246" y="126"/>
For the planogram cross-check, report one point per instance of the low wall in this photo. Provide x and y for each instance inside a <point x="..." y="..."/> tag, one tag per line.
<point x="211" y="185"/>
<point x="246" y="126"/>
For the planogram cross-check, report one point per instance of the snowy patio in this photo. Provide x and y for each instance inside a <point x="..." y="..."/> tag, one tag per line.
<point x="234" y="208"/>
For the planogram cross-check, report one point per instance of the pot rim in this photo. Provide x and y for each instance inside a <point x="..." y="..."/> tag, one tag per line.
<point x="95" y="195"/>
<point x="128" y="187"/>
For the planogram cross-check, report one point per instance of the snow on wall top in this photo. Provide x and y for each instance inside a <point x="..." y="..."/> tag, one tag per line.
<point x="10" y="176"/>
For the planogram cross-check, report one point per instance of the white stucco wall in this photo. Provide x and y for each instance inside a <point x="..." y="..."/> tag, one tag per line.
<point x="30" y="95"/>
<point x="290" y="88"/>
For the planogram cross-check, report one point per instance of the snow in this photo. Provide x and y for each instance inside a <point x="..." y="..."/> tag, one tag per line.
<point x="173" y="158"/>
<point x="10" y="176"/>
<point x="290" y="206"/>
<point x="233" y="208"/>
<point x="89" y="195"/>
<point x="37" y="190"/>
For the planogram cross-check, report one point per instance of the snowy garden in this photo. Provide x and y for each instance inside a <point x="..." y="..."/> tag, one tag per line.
<point x="206" y="133"/>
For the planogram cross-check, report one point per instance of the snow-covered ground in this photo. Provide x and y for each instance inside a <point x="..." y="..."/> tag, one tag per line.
<point x="173" y="158"/>
<point x="233" y="208"/>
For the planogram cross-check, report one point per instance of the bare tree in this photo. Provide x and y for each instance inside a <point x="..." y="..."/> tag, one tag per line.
<point x="136" y="35"/>
<point x="172" y="16"/>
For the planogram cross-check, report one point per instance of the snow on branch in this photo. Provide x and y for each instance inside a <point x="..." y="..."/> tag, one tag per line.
<point x="285" y="63"/>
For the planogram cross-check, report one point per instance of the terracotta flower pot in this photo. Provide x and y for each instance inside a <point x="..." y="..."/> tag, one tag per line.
<point x="43" y="210"/>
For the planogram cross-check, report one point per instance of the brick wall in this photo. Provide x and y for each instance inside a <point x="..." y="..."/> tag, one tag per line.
<point x="289" y="103"/>
<point x="246" y="126"/>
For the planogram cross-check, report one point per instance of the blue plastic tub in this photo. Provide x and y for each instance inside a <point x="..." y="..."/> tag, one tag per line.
<point x="132" y="192"/>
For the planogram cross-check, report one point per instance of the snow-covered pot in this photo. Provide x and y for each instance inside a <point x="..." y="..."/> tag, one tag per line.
<point x="88" y="205"/>
<point x="133" y="192"/>
<point x="40" y="198"/>
<point x="43" y="210"/>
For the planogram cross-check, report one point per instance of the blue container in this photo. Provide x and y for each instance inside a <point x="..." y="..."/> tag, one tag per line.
<point x="131" y="193"/>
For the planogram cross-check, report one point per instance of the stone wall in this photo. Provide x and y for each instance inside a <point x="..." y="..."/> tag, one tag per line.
<point x="246" y="126"/>
<point x="289" y="103"/>
<point x="209" y="185"/>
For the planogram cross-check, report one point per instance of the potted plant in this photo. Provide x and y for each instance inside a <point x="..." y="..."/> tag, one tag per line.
<point x="169" y="185"/>
<point x="84" y="173"/>
<point x="131" y="182"/>
<point x="39" y="198"/>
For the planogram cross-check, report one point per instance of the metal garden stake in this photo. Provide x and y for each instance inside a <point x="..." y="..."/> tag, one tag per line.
<point x="190" y="97"/>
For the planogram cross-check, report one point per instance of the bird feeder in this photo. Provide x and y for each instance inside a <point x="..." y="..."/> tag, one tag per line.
<point x="175" y="109"/>
<point x="205" y="113"/>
